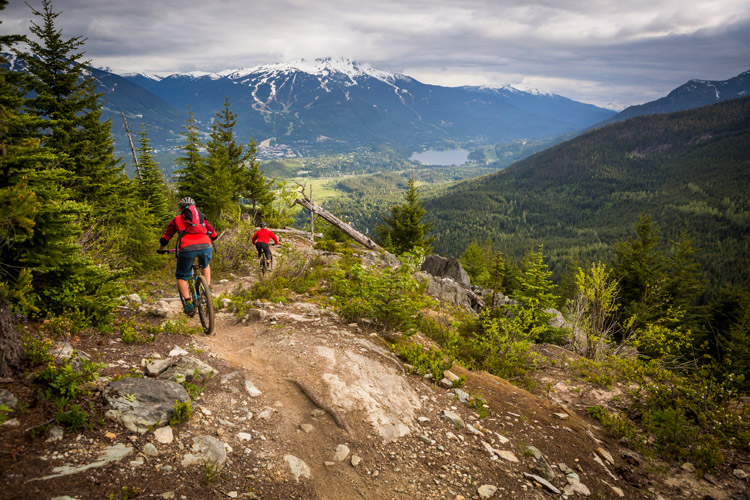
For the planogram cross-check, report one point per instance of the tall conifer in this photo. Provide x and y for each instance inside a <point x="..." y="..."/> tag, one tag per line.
<point x="151" y="184"/>
<point x="65" y="98"/>
<point x="404" y="225"/>
<point x="192" y="176"/>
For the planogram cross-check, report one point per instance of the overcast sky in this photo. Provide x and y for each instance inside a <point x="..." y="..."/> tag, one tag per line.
<point x="611" y="53"/>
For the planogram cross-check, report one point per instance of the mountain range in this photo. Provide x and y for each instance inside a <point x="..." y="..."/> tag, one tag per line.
<point x="340" y="104"/>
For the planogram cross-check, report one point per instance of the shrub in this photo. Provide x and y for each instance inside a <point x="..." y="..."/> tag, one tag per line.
<point x="129" y="335"/>
<point x="182" y="413"/>
<point x="424" y="360"/>
<point x="67" y="381"/>
<point x="390" y="297"/>
<point x="36" y="350"/>
<point x="499" y="343"/>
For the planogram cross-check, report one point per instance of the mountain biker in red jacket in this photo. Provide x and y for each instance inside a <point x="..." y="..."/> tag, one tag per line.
<point x="195" y="239"/>
<point x="261" y="238"/>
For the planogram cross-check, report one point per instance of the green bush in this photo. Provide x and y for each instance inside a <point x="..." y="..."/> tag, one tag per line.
<point x="67" y="381"/>
<point x="616" y="423"/>
<point x="182" y="413"/>
<point x="390" y="297"/>
<point x="498" y="343"/>
<point x="74" y="419"/>
<point x="36" y="350"/>
<point x="424" y="360"/>
<point x="4" y="412"/>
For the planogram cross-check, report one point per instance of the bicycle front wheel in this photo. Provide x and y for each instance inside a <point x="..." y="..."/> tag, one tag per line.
<point x="205" y="304"/>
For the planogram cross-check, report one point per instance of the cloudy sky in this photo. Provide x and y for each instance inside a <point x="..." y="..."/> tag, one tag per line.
<point x="611" y="53"/>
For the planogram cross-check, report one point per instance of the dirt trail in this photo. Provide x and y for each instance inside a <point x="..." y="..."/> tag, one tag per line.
<point x="341" y="367"/>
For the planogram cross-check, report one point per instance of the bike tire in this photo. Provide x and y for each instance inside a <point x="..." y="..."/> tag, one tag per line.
<point x="205" y="304"/>
<point x="262" y="268"/>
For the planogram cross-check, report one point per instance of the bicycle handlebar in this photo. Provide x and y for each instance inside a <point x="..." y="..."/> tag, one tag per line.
<point x="166" y="250"/>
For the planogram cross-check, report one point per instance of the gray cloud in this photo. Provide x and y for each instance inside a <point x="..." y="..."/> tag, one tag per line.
<point x="604" y="52"/>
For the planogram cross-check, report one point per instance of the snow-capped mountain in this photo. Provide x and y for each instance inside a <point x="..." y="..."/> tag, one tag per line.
<point x="350" y="103"/>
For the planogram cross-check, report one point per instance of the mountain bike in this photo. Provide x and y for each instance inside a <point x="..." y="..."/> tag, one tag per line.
<point x="263" y="265"/>
<point x="200" y="293"/>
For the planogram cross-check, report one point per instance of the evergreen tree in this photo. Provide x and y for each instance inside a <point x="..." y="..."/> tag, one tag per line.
<point x="226" y="181"/>
<point x="192" y="176"/>
<point x="640" y="267"/>
<point x="258" y="187"/>
<point x="474" y="261"/>
<point x="404" y="225"/>
<point x="684" y="284"/>
<point x="20" y="206"/>
<point x="65" y="98"/>
<point x="151" y="184"/>
<point x="535" y="293"/>
<point x="497" y="276"/>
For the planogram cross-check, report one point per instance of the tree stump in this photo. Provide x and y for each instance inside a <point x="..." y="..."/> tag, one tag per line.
<point x="11" y="354"/>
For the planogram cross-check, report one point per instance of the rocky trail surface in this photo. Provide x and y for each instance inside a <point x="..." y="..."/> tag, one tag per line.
<point x="299" y="405"/>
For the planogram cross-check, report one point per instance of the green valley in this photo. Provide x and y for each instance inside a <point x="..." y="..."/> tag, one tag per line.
<point x="685" y="170"/>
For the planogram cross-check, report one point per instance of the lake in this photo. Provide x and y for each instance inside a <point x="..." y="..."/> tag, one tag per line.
<point x="442" y="158"/>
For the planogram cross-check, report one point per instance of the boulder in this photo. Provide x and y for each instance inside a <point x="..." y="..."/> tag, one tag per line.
<point x="442" y="267"/>
<point x="141" y="404"/>
<point x="185" y="369"/>
<point x="445" y="290"/>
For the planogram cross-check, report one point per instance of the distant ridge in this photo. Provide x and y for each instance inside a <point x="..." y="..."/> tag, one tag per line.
<point x="691" y="95"/>
<point x="688" y="169"/>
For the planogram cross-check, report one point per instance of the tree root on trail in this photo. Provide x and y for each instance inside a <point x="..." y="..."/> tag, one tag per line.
<point x="320" y="404"/>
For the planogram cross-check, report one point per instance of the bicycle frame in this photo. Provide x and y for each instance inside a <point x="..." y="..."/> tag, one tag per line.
<point x="200" y="293"/>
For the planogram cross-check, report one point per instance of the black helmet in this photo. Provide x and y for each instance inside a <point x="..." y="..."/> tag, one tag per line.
<point x="186" y="202"/>
<point x="263" y="225"/>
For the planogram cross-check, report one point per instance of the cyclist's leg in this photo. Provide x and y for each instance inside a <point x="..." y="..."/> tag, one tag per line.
<point x="182" y="286"/>
<point x="204" y="260"/>
<point x="269" y="256"/>
<point x="182" y="273"/>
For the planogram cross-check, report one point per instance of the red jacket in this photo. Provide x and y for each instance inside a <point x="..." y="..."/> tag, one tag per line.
<point x="189" y="241"/>
<point x="264" y="236"/>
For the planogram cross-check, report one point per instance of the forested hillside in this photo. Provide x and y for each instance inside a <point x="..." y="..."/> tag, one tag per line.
<point x="686" y="170"/>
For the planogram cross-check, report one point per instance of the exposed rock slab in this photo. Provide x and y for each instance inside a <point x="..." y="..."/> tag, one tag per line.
<point x="140" y="403"/>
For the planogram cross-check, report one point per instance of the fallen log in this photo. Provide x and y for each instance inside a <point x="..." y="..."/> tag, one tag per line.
<point x="346" y="228"/>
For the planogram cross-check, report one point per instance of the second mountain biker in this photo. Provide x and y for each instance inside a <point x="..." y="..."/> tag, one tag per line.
<point x="261" y="238"/>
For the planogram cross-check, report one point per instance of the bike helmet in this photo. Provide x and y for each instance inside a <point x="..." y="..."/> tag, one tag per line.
<point x="186" y="202"/>
<point x="263" y="225"/>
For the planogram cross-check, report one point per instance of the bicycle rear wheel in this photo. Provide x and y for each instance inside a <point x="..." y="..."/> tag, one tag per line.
<point x="205" y="304"/>
<point x="262" y="266"/>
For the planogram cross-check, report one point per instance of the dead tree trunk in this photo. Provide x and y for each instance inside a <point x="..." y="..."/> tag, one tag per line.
<point x="135" y="158"/>
<point x="346" y="228"/>
<point x="10" y="350"/>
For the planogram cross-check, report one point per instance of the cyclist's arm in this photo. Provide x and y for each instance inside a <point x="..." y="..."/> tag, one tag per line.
<point x="275" y="238"/>
<point x="168" y="233"/>
<point x="211" y="231"/>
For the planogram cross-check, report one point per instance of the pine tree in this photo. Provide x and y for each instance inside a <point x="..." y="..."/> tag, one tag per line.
<point x="404" y="225"/>
<point x="474" y="262"/>
<point x="684" y="282"/>
<point x="227" y="176"/>
<point x="192" y="176"/>
<point x="66" y="99"/>
<point x="151" y="185"/>
<point x="258" y="187"/>
<point x="639" y="266"/>
<point x="535" y="293"/>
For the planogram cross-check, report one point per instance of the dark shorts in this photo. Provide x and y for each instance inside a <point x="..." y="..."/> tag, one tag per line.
<point x="263" y="248"/>
<point x="185" y="262"/>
